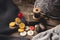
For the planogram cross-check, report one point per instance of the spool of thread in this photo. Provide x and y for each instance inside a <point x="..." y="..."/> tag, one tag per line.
<point x="36" y="12"/>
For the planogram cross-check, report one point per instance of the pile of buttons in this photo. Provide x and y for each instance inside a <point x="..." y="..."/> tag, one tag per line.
<point x="22" y="28"/>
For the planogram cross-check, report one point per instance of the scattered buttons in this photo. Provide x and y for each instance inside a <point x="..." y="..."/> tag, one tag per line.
<point x="20" y="30"/>
<point x="31" y="27"/>
<point x="23" y="33"/>
<point x="30" y="33"/>
<point x="22" y="25"/>
<point x="23" y="29"/>
<point x="12" y="24"/>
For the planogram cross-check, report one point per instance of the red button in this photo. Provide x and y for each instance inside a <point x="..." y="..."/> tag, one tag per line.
<point x="31" y="27"/>
<point x="20" y="15"/>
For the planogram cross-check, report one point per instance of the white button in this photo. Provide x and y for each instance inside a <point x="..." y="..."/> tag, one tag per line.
<point x="36" y="26"/>
<point x="27" y="28"/>
<point x="30" y="33"/>
<point x="23" y="33"/>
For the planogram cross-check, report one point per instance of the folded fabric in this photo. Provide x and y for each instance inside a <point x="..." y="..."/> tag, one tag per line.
<point x="52" y="34"/>
<point x="8" y="13"/>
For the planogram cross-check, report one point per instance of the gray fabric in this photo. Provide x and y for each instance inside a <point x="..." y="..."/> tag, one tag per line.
<point x="52" y="34"/>
<point x="49" y="7"/>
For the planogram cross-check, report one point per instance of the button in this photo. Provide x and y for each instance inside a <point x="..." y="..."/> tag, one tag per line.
<point x="20" y="30"/>
<point x="22" y="25"/>
<point x="20" y="15"/>
<point x="12" y="24"/>
<point x="23" y="33"/>
<point x="30" y="33"/>
<point x="36" y="26"/>
<point x="31" y="27"/>
<point x="17" y="20"/>
<point x="27" y="28"/>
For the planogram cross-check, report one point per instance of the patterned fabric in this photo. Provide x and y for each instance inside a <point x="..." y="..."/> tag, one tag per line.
<point x="52" y="34"/>
<point x="50" y="7"/>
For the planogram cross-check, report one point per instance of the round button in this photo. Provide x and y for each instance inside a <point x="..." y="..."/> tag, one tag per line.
<point x="36" y="26"/>
<point x="20" y="15"/>
<point x="12" y="24"/>
<point x="31" y="27"/>
<point x="23" y="33"/>
<point x="27" y="28"/>
<point x="22" y="25"/>
<point x="20" y="30"/>
<point x="30" y="33"/>
<point x="17" y="20"/>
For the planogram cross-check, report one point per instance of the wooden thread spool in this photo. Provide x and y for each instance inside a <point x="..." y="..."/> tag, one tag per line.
<point x="36" y="12"/>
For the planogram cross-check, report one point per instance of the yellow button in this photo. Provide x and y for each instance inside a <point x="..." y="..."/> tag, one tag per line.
<point x="22" y="25"/>
<point x="12" y="24"/>
<point x="20" y="30"/>
<point x="17" y="20"/>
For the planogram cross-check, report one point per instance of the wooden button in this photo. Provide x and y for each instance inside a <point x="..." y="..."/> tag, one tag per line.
<point x="22" y="25"/>
<point x="20" y="30"/>
<point x="17" y="20"/>
<point x="12" y="24"/>
<point x="31" y="27"/>
<point x="23" y="33"/>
